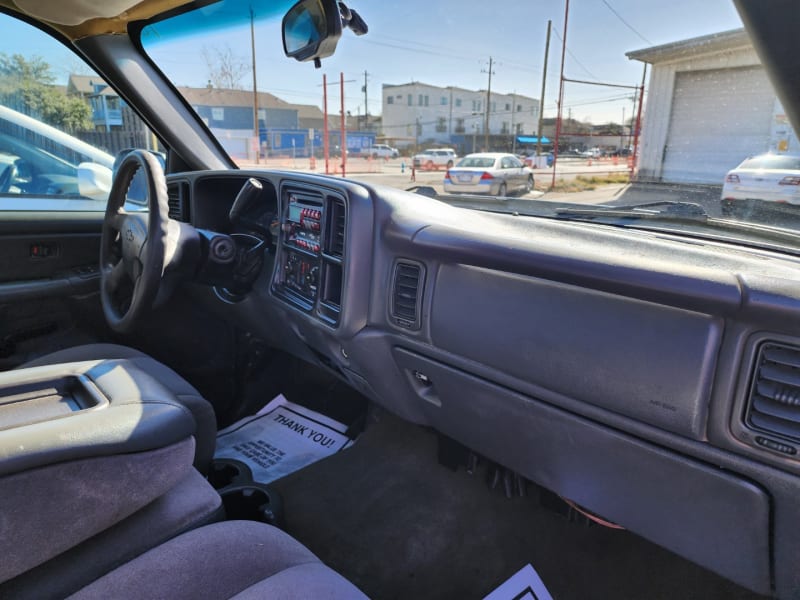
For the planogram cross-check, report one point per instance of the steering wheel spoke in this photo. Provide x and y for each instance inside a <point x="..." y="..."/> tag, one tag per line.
<point x="115" y="276"/>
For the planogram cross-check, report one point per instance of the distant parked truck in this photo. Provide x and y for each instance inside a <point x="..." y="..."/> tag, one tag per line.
<point x="435" y="159"/>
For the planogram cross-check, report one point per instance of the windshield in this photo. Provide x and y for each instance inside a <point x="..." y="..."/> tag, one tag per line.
<point x="612" y="103"/>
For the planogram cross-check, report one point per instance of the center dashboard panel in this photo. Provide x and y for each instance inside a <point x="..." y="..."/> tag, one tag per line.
<point x="310" y="269"/>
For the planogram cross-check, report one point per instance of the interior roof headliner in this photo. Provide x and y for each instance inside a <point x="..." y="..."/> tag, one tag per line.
<point x="48" y="14"/>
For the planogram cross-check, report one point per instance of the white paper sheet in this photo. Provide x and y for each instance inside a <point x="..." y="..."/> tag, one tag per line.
<point x="525" y="584"/>
<point x="280" y="439"/>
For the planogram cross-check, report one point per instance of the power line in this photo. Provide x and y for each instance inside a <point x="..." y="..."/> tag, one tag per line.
<point x="513" y="63"/>
<point x="628" y="25"/>
<point x="461" y="57"/>
<point x="579" y="63"/>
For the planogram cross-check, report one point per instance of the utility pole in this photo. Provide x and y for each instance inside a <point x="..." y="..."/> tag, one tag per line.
<point x="560" y="92"/>
<point x="622" y="130"/>
<point x="541" y="97"/>
<point x="344" y="125"/>
<point x="366" y="106"/>
<point x="325" y="142"/>
<point x="450" y="120"/>
<point x="488" y="100"/>
<point x="513" y="133"/>
<point x="255" y="89"/>
<point x="638" y="121"/>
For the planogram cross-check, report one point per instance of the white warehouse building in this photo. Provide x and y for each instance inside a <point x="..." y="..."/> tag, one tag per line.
<point x="709" y="106"/>
<point x="421" y="113"/>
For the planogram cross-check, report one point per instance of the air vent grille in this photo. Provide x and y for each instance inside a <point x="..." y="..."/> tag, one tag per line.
<point x="336" y="227"/>
<point x="774" y="402"/>
<point x="177" y="198"/>
<point x="406" y="294"/>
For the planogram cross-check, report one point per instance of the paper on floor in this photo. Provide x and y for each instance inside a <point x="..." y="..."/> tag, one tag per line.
<point x="525" y="584"/>
<point x="280" y="439"/>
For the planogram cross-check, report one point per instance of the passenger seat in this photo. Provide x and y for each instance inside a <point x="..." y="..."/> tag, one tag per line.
<point x="232" y="559"/>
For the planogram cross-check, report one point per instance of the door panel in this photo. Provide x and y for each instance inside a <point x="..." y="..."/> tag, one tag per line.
<point x="49" y="284"/>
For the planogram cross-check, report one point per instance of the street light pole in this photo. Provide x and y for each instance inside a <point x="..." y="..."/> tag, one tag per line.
<point x="255" y="88"/>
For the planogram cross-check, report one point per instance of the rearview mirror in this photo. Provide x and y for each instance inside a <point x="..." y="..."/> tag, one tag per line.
<point x="311" y="30"/>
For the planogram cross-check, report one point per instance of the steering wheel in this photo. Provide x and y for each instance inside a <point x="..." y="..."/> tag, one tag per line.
<point x="133" y="245"/>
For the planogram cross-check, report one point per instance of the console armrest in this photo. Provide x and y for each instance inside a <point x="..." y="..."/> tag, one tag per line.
<point x="82" y="446"/>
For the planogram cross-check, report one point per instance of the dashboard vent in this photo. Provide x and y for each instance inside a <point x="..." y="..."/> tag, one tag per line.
<point x="406" y="294"/>
<point x="774" y="402"/>
<point x="177" y="198"/>
<point x="336" y="227"/>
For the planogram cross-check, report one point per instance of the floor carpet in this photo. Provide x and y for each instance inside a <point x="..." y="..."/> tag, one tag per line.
<point x="388" y="517"/>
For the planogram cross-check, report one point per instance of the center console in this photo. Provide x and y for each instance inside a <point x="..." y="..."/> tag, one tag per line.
<point x="82" y="447"/>
<point x="310" y="270"/>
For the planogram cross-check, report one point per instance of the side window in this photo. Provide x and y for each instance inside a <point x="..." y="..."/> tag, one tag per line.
<point x="61" y="125"/>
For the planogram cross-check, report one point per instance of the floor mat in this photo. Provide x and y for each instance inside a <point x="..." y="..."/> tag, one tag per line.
<point x="399" y="525"/>
<point x="280" y="439"/>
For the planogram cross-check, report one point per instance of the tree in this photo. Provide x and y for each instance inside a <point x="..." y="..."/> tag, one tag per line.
<point x="26" y="85"/>
<point x="225" y="69"/>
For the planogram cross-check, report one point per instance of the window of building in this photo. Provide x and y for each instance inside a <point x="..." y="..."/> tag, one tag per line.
<point x="460" y="126"/>
<point x="458" y="102"/>
<point x="218" y="114"/>
<point x="425" y="98"/>
<point x="505" y="127"/>
<point x="389" y="99"/>
<point x="419" y="100"/>
<point x="441" y="125"/>
<point x="112" y="102"/>
<point x="410" y="100"/>
<point x="519" y="107"/>
<point x="519" y="128"/>
<point x="494" y="106"/>
<point x="443" y="101"/>
<point x="508" y="107"/>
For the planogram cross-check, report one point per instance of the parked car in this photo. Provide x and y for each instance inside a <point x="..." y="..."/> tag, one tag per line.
<point x="435" y="158"/>
<point x="39" y="162"/>
<point x="489" y="173"/>
<point x="383" y="151"/>
<point x="762" y="178"/>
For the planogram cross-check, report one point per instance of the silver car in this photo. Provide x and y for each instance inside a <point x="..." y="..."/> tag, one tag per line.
<point x="488" y="173"/>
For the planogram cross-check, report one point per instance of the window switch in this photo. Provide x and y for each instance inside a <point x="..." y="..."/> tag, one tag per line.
<point x="43" y="250"/>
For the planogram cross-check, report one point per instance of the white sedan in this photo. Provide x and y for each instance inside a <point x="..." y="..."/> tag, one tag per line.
<point x="489" y="173"/>
<point x="766" y="177"/>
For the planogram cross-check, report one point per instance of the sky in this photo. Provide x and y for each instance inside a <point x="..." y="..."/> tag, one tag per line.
<point x="449" y="42"/>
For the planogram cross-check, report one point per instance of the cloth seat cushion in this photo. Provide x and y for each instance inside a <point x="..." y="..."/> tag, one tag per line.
<point x="201" y="409"/>
<point x="233" y="559"/>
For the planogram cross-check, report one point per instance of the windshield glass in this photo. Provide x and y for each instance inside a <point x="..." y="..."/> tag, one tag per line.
<point x="611" y="104"/>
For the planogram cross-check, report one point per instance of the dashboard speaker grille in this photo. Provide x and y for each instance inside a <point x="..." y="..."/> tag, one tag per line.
<point x="406" y="294"/>
<point x="176" y="198"/>
<point x="774" y="402"/>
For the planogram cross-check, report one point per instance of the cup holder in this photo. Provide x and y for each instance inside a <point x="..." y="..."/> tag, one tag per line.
<point x="253" y="502"/>
<point x="243" y="498"/>
<point x="227" y="471"/>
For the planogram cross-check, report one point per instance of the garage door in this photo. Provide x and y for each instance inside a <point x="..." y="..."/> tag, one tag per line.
<point x="719" y="117"/>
